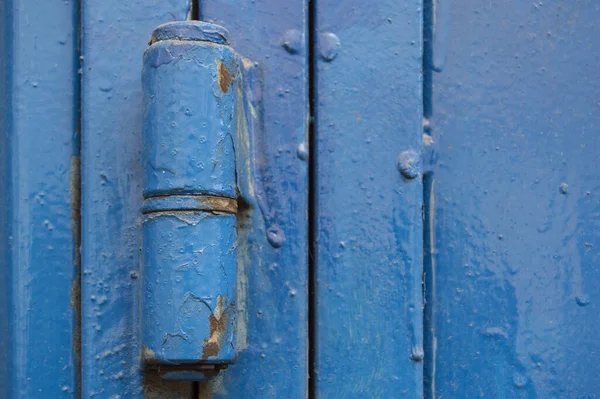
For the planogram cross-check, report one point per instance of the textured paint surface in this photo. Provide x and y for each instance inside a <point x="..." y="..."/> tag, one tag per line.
<point x="189" y="124"/>
<point x="189" y="272"/>
<point x="514" y="197"/>
<point x="38" y="152"/>
<point x="189" y="142"/>
<point x="272" y="271"/>
<point x="115" y="35"/>
<point x="368" y="338"/>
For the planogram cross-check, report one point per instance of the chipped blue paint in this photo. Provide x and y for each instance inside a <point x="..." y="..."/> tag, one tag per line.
<point x="189" y="123"/>
<point x="189" y="254"/>
<point x="39" y="199"/>
<point x="368" y="265"/>
<point x="514" y="201"/>
<point x="189" y="272"/>
<point x="190" y="31"/>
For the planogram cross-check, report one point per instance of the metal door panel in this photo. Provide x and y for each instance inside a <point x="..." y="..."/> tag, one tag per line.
<point x="514" y="200"/>
<point x="368" y="200"/>
<point x="438" y="240"/>
<point x="39" y="200"/>
<point x="114" y="36"/>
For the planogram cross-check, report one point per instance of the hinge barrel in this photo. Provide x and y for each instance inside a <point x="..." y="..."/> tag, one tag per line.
<point x="191" y="86"/>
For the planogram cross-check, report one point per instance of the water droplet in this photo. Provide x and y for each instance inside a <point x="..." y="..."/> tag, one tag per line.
<point x="495" y="332"/>
<point x="275" y="236"/>
<point x="564" y="188"/>
<point x="302" y="151"/>
<point x="417" y="354"/>
<point x="582" y="300"/>
<point x="519" y="380"/>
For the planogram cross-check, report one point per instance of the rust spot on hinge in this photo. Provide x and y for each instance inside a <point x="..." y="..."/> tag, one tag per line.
<point x="225" y="77"/>
<point x="218" y="327"/>
<point x="221" y="204"/>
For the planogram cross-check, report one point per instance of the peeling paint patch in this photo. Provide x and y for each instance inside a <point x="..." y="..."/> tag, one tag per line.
<point x="218" y="327"/>
<point x="148" y="355"/>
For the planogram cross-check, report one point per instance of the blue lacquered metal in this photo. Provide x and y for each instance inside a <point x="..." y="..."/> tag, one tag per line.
<point x="368" y="200"/>
<point x="513" y="200"/>
<point x="39" y="200"/>
<point x="114" y="36"/>
<point x="188" y="299"/>
<point x="189" y="258"/>
<point x="188" y="114"/>
<point x="272" y="303"/>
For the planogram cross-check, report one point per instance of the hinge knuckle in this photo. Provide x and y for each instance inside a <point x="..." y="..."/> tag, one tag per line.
<point x="190" y="191"/>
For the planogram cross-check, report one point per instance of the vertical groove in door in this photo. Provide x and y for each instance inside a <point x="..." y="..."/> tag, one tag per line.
<point x="76" y="197"/>
<point x="195" y="11"/>
<point x="312" y="197"/>
<point x="428" y="9"/>
<point x="428" y="286"/>
<point x="428" y="211"/>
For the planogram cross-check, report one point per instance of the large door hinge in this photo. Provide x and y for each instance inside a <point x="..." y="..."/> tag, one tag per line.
<point x="193" y="96"/>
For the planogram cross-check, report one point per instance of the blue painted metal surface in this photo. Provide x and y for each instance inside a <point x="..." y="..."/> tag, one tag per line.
<point x="191" y="84"/>
<point x="39" y="200"/>
<point x="368" y="339"/>
<point x="273" y="266"/>
<point x="189" y="269"/>
<point x="513" y="201"/>
<point x="509" y="196"/>
<point x="190" y="91"/>
<point x="114" y="37"/>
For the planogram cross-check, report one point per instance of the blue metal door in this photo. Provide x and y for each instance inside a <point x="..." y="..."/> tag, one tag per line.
<point x="299" y="199"/>
<point x="512" y="203"/>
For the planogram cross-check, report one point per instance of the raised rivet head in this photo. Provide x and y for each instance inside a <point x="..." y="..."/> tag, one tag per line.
<point x="408" y="164"/>
<point x="329" y="46"/>
<point x="191" y="31"/>
<point x="292" y="41"/>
